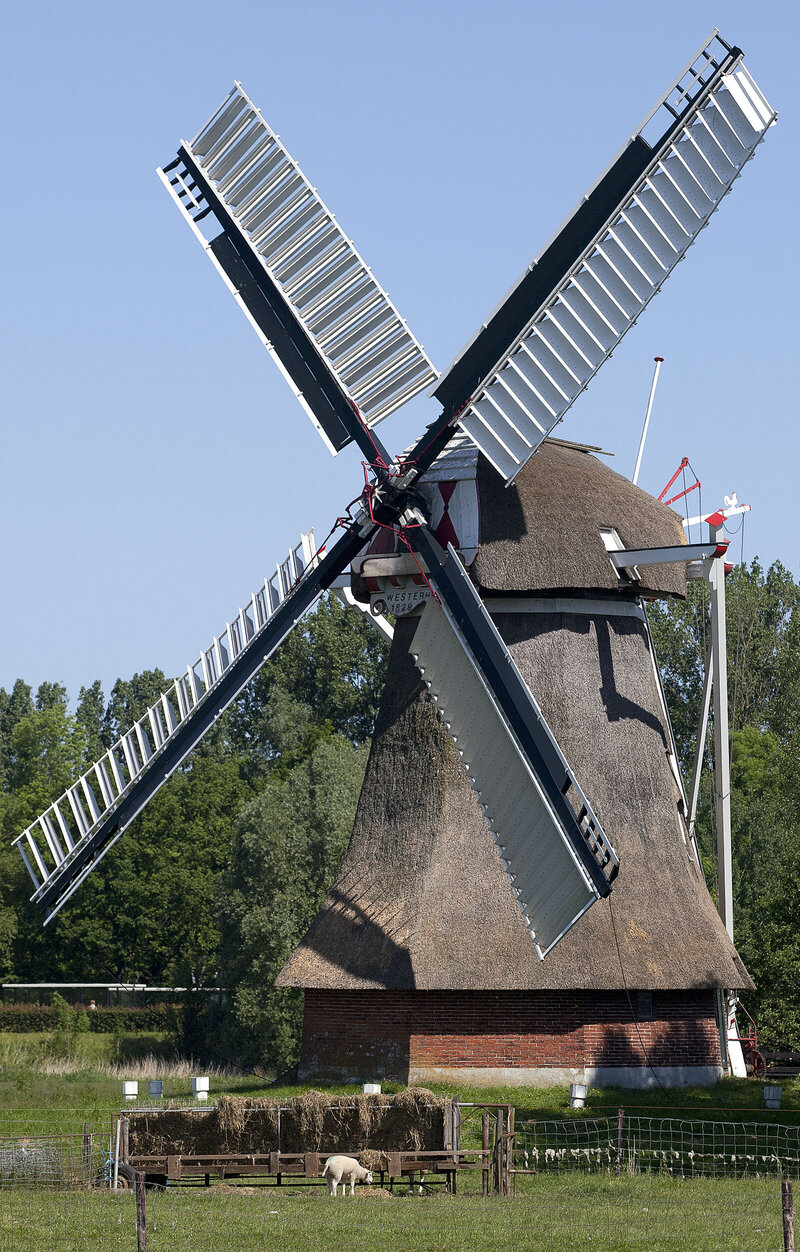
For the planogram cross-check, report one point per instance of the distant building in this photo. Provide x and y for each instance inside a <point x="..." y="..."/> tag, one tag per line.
<point x="102" y="994"/>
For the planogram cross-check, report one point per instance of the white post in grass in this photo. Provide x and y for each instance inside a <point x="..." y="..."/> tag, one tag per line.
<point x="200" y="1088"/>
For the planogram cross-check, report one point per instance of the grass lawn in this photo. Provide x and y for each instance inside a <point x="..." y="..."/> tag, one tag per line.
<point x="552" y="1211"/>
<point x="554" y="1214"/>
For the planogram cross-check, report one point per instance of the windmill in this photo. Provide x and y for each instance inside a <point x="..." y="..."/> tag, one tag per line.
<point x="352" y="362"/>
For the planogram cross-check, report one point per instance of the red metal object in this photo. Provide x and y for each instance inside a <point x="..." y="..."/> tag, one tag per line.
<point x="716" y="519"/>
<point x="754" y="1062"/>
<point x="682" y="466"/>
<point x="685" y="492"/>
<point x="695" y="485"/>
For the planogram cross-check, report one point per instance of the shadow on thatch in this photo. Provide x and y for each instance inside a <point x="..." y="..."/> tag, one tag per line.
<point x="616" y="705"/>
<point x="348" y="929"/>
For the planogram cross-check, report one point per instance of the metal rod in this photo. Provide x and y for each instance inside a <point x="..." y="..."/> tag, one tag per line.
<point x="141" y="1213"/>
<point x="485" y="1150"/>
<point x="115" y="1183"/>
<point x="722" y="763"/>
<point x="699" y="747"/>
<point x="659" y="360"/>
<point x="618" y="1159"/>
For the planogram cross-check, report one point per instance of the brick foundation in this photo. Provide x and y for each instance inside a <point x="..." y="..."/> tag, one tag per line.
<point x="507" y="1036"/>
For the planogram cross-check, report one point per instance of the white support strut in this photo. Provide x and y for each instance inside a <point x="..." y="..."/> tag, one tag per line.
<point x="722" y="764"/>
<point x="659" y="361"/>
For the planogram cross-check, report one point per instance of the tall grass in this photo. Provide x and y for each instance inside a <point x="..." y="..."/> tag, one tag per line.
<point x="103" y="1056"/>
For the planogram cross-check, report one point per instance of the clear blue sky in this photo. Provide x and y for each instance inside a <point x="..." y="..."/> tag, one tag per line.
<point x="155" y="464"/>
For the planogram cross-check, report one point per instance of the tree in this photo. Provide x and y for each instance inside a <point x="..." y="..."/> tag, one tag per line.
<point x="129" y="700"/>
<point x="287" y="847"/>
<point x="764" y="697"/>
<point x="13" y="707"/>
<point x="152" y="910"/>
<point x="763" y="638"/>
<point x="90" y="715"/>
<point x="332" y="666"/>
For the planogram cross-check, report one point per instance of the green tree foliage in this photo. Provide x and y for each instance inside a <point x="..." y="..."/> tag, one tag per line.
<point x="331" y="667"/>
<point x="764" y="699"/>
<point x="155" y="908"/>
<point x="288" y="844"/>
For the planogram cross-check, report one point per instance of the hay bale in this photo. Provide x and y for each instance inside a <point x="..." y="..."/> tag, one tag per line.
<point x="173" y="1132"/>
<point x="413" y="1120"/>
<point x="248" y="1125"/>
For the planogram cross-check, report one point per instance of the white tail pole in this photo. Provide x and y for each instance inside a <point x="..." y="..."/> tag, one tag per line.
<point x="722" y="764"/>
<point x="659" y="360"/>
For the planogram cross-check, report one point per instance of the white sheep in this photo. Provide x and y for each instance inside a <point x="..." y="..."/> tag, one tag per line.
<point x="344" y="1169"/>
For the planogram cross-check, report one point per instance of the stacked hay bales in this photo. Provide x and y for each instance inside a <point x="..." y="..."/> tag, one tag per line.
<point x="413" y="1120"/>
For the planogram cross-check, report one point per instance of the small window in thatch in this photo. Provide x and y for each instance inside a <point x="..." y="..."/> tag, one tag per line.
<point x="644" y="1006"/>
<point x="613" y="543"/>
<point x="611" y="540"/>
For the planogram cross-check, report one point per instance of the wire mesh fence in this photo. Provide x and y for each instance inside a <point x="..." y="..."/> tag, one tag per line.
<point x="47" y="1149"/>
<point x="660" y="1145"/>
<point x="642" y="1184"/>
<point x="635" y="1215"/>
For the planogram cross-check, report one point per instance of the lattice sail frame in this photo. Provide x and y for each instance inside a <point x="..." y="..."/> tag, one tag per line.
<point x="548" y="878"/>
<point x="63" y="832"/>
<point x="715" y="121"/>
<point x="344" y="311"/>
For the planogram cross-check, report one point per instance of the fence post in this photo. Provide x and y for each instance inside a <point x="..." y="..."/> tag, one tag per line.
<point x="141" y="1213"/>
<point x="485" y="1147"/>
<point x="788" y="1215"/>
<point x="620" y="1124"/>
<point x="88" y="1151"/>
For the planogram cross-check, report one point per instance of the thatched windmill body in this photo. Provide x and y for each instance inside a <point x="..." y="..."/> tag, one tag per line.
<point x="419" y="964"/>
<point x="418" y="909"/>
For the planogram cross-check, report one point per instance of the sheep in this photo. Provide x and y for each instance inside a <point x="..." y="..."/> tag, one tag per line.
<point x="344" y="1169"/>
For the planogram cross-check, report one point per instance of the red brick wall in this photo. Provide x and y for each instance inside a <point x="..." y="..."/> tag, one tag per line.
<point x="373" y="1034"/>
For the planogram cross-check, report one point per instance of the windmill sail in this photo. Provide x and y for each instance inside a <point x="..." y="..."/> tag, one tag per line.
<point x="335" y="333"/>
<point x="65" y="843"/>
<point x="521" y="373"/>
<point x="554" y="849"/>
<point x="352" y="361"/>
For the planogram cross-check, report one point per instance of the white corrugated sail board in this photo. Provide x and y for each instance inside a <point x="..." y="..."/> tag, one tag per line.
<point x="54" y="840"/>
<point x="544" y="370"/>
<point x="551" y="887"/>
<point x="345" y="312"/>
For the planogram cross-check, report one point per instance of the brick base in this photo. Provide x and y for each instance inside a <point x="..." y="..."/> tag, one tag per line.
<point x="508" y="1036"/>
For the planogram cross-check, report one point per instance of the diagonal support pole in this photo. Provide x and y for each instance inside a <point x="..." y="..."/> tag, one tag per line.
<point x="699" y="747"/>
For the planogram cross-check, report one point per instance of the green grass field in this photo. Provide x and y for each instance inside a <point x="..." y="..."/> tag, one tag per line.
<point x="586" y="1211"/>
<point x="554" y="1214"/>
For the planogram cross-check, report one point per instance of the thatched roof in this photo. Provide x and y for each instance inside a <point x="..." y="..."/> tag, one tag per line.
<point x="422" y="899"/>
<point x="543" y="533"/>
